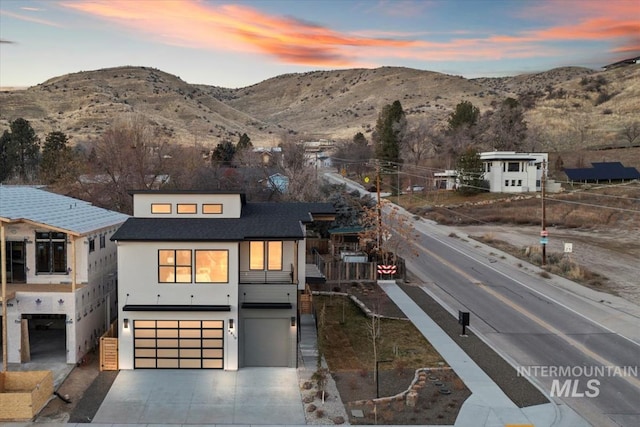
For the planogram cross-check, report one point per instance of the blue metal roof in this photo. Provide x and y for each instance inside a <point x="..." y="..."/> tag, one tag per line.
<point x="603" y="171"/>
<point x="43" y="207"/>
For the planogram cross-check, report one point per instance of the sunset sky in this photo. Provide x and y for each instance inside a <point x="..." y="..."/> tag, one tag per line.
<point x="239" y="43"/>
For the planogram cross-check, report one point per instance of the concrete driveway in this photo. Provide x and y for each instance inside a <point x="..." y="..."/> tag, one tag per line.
<point x="247" y="396"/>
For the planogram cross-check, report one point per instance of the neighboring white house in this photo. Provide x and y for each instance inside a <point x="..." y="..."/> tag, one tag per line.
<point x="512" y="172"/>
<point x="209" y="281"/>
<point x="447" y="180"/>
<point x="60" y="272"/>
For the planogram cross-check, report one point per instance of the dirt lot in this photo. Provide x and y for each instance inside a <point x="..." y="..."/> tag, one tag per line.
<point x="612" y="253"/>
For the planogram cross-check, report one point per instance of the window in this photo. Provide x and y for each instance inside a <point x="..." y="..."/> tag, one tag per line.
<point x="506" y="182"/>
<point x="212" y="266"/>
<point x="273" y="251"/>
<point x="513" y="167"/>
<point x="103" y="241"/>
<point x="92" y="245"/>
<point x="209" y="208"/>
<point x="256" y="256"/>
<point x="513" y="182"/>
<point x="187" y="208"/>
<point x="161" y="208"/>
<point x="51" y="252"/>
<point x="519" y="183"/>
<point x="274" y="256"/>
<point x="174" y="266"/>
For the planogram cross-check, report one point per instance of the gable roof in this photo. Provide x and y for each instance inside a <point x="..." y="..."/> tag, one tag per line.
<point x="257" y="221"/>
<point x="33" y="204"/>
<point x="603" y="171"/>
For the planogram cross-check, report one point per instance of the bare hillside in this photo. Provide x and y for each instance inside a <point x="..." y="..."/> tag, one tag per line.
<point x="567" y="107"/>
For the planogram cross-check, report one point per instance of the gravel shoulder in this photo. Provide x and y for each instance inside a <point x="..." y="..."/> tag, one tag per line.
<point x="612" y="253"/>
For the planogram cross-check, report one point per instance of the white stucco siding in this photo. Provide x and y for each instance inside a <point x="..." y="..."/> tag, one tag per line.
<point x="138" y="276"/>
<point x="231" y="204"/>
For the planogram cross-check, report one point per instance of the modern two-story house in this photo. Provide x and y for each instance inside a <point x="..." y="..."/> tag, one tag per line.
<point x="210" y="281"/>
<point x="60" y="273"/>
<point x="511" y="172"/>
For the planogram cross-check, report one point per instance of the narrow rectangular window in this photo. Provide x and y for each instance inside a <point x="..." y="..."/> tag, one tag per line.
<point x="51" y="252"/>
<point x="212" y="266"/>
<point x="187" y="208"/>
<point x="103" y="241"/>
<point x="513" y="182"/>
<point x="210" y="208"/>
<point x="519" y="183"/>
<point x="274" y="251"/>
<point x="92" y="245"/>
<point x="506" y="182"/>
<point x="161" y="208"/>
<point x="174" y="266"/>
<point x="256" y="256"/>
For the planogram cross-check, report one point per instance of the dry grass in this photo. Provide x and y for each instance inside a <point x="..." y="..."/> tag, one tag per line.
<point x="347" y="344"/>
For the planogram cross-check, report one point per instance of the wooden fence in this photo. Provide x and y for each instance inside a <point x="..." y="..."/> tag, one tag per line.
<point x="109" y="349"/>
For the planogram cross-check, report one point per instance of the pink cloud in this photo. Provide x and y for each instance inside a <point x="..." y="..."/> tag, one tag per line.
<point x="238" y="28"/>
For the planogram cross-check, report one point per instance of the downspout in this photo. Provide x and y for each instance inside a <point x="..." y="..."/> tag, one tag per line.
<point x="3" y="269"/>
<point x="295" y="263"/>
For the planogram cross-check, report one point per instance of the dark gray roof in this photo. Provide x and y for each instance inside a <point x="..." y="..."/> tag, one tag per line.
<point x="603" y="171"/>
<point x="257" y="221"/>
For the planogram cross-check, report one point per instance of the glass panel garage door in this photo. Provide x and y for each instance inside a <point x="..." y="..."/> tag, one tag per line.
<point x="178" y="344"/>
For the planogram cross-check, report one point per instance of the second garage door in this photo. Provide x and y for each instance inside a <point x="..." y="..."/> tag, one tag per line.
<point x="177" y="344"/>
<point x="266" y="342"/>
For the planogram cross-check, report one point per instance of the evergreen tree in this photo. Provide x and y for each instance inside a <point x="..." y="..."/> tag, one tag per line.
<point x="470" y="173"/>
<point x="388" y="133"/>
<point x="223" y="153"/>
<point x="58" y="160"/>
<point x="8" y="156"/>
<point x="244" y="142"/>
<point x="465" y="115"/>
<point x="20" y="150"/>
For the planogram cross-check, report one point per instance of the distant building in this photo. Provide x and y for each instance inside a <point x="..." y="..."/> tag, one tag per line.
<point x="276" y="182"/>
<point x="512" y="172"/>
<point x="603" y="172"/>
<point x="447" y="180"/>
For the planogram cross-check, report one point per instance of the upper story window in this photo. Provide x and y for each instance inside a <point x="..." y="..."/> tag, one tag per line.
<point x="161" y="208"/>
<point x="513" y="166"/>
<point x="51" y="252"/>
<point x="265" y="255"/>
<point x="207" y="266"/>
<point x="174" y="266"/>
<point x="212" y="266"/>
<point x="212" y="208"/>
<point x="92" y="245"/>
<point x="103" y="241"/>
<point x="187" y="208"/>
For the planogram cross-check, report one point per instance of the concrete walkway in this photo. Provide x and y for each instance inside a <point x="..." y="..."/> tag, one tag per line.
<point x="488" y="405"/>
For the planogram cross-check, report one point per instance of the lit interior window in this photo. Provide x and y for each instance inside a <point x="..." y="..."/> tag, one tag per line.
<point x="161" y="208"/>
<point x="187" y="208"/>
<point x="209" y="208"/>
<point x="212" y="266"/>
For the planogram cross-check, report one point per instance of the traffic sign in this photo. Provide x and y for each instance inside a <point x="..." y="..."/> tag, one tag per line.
<point x="544" y="233"/>
<point x="387" y="269"/>
<point x="568" y="248"/>
<point x="544" y="240"/>
<point x="366" y="179"/>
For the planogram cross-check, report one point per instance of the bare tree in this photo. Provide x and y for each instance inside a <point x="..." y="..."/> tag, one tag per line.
<point x="127" y="157"/>
<point x="419" y="142"/>
<point x="630" y="132"/>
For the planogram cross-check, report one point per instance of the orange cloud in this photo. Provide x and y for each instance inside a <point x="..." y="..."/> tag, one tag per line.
<point x="29" y="18"/>
<point x="238" y="28"/>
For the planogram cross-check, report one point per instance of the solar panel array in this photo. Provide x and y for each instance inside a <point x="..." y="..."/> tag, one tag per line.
<point x="603" y="171"/>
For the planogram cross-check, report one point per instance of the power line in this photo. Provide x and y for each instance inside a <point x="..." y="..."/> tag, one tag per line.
<point x="593" y="205"/>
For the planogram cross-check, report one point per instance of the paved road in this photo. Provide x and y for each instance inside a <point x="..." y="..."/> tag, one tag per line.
<point x="510" y="309"/>
<point x="539" y="325"/>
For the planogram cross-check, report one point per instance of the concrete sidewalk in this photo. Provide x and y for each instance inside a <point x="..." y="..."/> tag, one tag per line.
<point x="488" y="405"/>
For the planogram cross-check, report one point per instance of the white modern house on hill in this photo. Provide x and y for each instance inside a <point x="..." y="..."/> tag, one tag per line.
<point x="512" y="172"/>
<point x="60" y="273"/>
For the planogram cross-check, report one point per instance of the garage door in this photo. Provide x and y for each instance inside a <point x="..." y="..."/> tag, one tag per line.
<point x="266" y="342"/>
<point x="178" y="344"/>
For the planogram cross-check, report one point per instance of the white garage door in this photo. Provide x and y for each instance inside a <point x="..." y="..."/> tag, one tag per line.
<point x="177" y="344"/>
<point x="266" y="342"/>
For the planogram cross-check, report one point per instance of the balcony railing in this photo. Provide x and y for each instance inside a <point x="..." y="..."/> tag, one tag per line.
<point x="260" y="276"/>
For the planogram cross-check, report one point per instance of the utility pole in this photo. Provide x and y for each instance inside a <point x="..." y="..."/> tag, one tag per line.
<point x="543" y="232"/>
<point x="398" y="181"/>
<point x="378" y="208"/>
